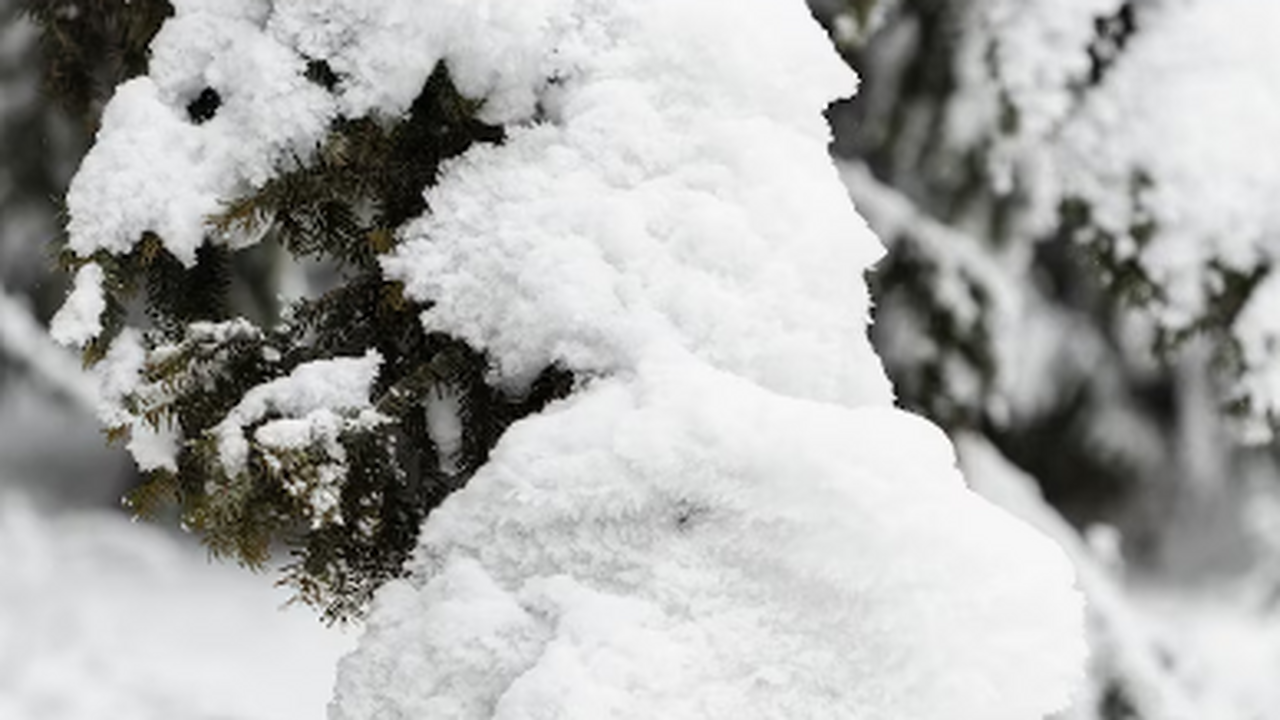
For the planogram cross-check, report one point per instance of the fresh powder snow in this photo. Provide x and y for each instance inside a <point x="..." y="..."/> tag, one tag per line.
<point x="728" y="519"/>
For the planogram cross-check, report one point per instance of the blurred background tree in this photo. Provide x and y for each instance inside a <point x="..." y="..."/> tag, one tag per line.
<point x="1079" y="281"/>
<point x="48" y="436"/>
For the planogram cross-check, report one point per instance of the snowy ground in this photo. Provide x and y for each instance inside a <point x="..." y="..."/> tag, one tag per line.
<point x="1227" y="650"/>
<point x="101" y="619"/>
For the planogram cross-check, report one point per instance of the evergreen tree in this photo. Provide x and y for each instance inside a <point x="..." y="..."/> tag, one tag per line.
<point x="339" y="207"/>
<point x="593" y="286"/>
<point x="1005" y="310"/>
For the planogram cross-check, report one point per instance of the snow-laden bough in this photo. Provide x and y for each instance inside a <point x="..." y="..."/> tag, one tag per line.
<point x="728" y="519"/>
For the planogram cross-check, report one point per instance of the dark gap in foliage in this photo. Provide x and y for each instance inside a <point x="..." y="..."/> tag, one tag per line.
<point x="205" y="106"/>
<point x="1111" y="35"/>
<point x="320" y="73"/>
<point x="91" y="46"/>
<point x="1115" y="704"/>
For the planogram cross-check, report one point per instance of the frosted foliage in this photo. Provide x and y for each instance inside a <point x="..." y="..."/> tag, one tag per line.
<point x="154" y="169"/>
<point x="386" y="49"/>
<point x="307" y="399"/>
<point x="1258" y="335"/>
<point x="728" y="519"/>
<point x="1027" y="54"/>
<point x="1190" y="109"/>
<point x="1194" y="99"/>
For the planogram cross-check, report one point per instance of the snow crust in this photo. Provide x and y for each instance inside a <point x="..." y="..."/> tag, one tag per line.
<point x="678" y="196"/>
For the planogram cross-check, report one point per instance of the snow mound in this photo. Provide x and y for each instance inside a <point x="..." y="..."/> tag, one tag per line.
<point x="690" y="545"/>
<point x="728" y="520"/>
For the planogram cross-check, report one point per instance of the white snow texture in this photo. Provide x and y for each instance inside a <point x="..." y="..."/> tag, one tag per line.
<point x="101" y="619"/>
<point x="728" y="519"/>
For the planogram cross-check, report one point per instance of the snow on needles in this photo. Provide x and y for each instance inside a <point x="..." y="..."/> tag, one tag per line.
<point x="307" y="398"/>
<point x="728" y="519"/>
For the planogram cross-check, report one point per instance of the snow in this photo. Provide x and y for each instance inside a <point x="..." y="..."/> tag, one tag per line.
<point x="319" y="428"/>
<point x="100" y="618"/>
<point x="728" y="518"/>
<point x="309" y="395"/>
<point x="154" y="169"/>
<point x="632" y="222"/>
<point x="117" y="375"/>
<point x="1193" y="123"/>
<point x="386" y="50"/>
<point x="690" y="545"/>
<point x="154" y="448"/>
<point x="23" y="339"/>
<point x="80" y="319"/>
<point x="1164" y="149"/>
<point x="1125" y="643"/>
<point x="974" y="284"/>
<point x="1030" y="55"/>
